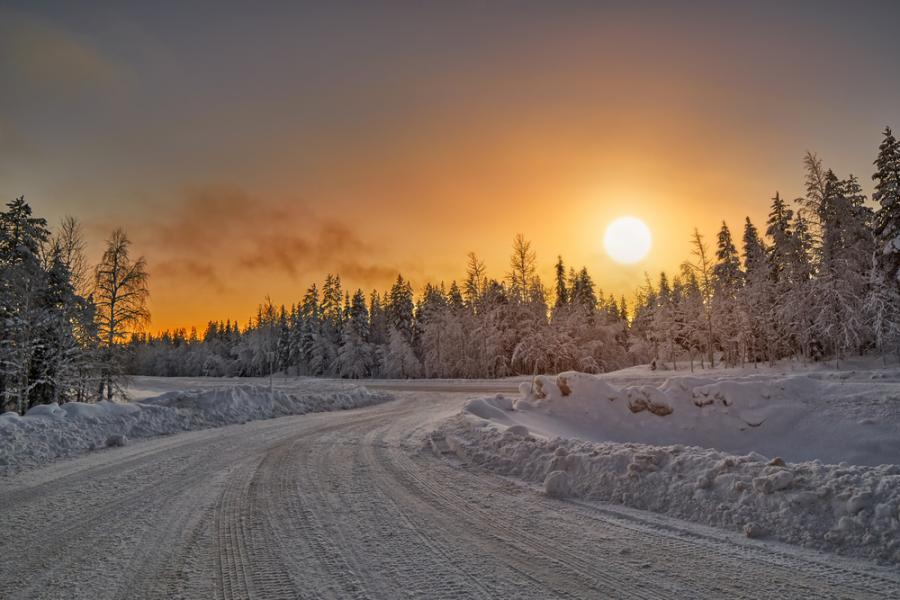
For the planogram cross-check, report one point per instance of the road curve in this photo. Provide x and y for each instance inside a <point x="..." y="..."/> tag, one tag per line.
<point x="349" y="505"/>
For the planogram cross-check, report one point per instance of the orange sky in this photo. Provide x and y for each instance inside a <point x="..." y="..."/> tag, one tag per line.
<point x="249" y="154"/>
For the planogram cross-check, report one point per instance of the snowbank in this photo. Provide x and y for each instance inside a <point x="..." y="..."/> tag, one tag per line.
<point x="853" y="510"/>
<point x="51" y="431"/>
<point x="579" y="436"/>
<point x="797" y="417"/>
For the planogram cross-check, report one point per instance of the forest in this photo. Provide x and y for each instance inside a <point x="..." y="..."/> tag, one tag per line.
<point x="819" y="281"/>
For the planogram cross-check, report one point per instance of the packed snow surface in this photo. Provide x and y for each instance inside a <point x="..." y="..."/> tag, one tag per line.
<point x="51" y="431"/>
<point x="746" y="453"/>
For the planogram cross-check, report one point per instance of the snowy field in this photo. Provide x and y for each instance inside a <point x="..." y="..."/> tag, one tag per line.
<point x="804" y="456"/>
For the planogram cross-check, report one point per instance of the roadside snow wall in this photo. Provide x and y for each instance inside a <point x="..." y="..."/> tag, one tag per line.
<point x="51" y="431"/>
<point x="720" y="453"/>
<point x="852" y="510"/>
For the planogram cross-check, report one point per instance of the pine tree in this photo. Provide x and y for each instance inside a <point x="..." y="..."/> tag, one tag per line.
<point x="727" y="283"/>
<point x="400" y="310"/>
<point x="355" y="357"/>
<point x="22" y="313"/>
<point x="759" y="323"/>
<point x="887" y="217"/>
<point x="454" y="297"/>
<point x="562" y="292"/>
<point x="400" y="360"/>
<point x="778" y="228"/>
<point x="727" y="274"/>
<point x="582" y="291"/>
<point x="314" y="347"/>
<point x="839" y="289"/>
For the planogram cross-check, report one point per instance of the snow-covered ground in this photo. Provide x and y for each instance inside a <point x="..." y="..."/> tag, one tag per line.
<point x="161" y="407"/>
<point x="806" y="456"/>
<point x="350" y="504"/>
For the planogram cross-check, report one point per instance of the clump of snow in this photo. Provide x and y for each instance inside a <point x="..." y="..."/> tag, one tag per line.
<point x="556" y="485"/>
<point x="517" y="431"/>
<point x="116" y="441"/>
<point x="797" y="417"/>
<point x="51" y="431"/>
<point x="849" y="509"/>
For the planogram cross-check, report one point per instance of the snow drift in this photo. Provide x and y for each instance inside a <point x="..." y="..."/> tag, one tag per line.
<point x="853" y="509"/>
<point x="849" y="509"/>
<point x="51" y="431"/>
<point x="797" y="417"/>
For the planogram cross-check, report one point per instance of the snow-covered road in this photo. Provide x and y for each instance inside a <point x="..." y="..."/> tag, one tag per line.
<point x="349" y="505"/>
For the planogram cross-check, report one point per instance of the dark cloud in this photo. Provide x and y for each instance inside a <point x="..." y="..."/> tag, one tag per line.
<point x="217" y="228"/>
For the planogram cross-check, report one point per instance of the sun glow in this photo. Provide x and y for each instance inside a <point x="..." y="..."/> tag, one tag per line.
<point x="627" y="240"/>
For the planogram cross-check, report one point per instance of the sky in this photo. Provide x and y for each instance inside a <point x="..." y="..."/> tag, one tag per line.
<point x="250" y="149"/>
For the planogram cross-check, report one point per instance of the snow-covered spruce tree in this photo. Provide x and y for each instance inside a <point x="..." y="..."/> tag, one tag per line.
<point x="378" y="330"/>
<point x="883" y="299"/>
<point x="295" y="343"/>
<point x="887" y="196"/>
<point x="728" y="280"/>
<point x="332" y="315"/>
<point x="431" y="314"/>
<point x="120" y="293"/>
<point x="792" y="312"/>
<point x="843" y="254"/>
<point x="400" y="361"/>
<point x="355" y="358"/>
<point x="444" y="340"/>
<point x="756" y="298"/>
<point x="597" y="336"/>
<point x="258" y="350"/>
<point x="562" y="293"/>
<point x="47" y="334"/>
<point x="780" y="257"/>
<point x="283" y="344"/>
<point x="641" y="348"/>
<point x="60" y="358"/>
<point x="691" y="312"/>
<point x="400" y="310"/>
<point x="882" y="309"/>
<point x="24" y="315"/>
<point x="315" y="356"/>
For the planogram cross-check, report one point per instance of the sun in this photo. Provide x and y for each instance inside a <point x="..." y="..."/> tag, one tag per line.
<point x="627" y="240"/>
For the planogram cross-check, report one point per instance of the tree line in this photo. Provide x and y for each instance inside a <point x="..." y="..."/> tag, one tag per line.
<point x="62" y="322"/>
<point x="819" y="282"/>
